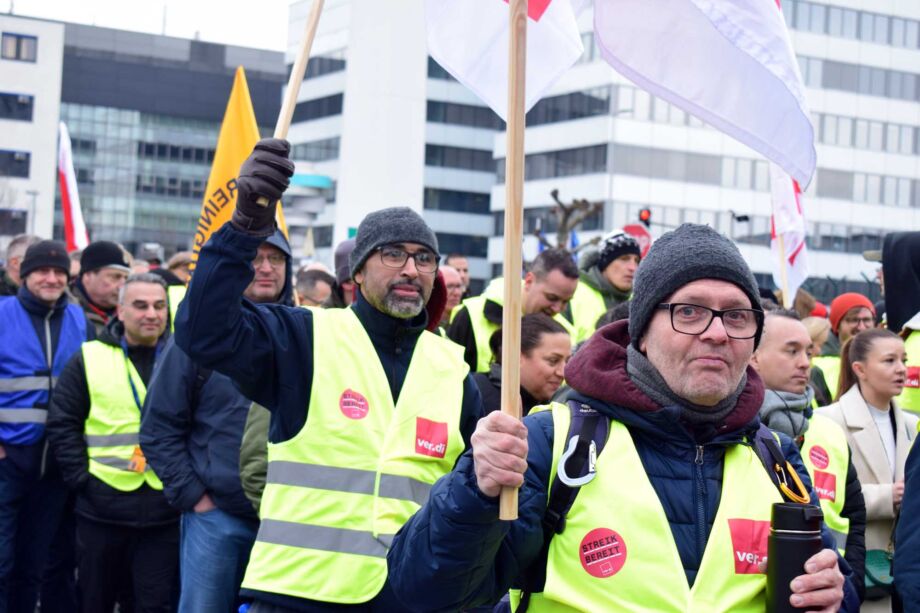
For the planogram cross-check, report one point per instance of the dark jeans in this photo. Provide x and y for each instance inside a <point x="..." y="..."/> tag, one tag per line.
<point x="215" y="550"/>
<point x="136" y="567"/>
<point x="31" y="508"/>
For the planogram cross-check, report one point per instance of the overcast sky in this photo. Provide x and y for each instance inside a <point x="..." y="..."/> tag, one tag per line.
<point x="260" y="23"/>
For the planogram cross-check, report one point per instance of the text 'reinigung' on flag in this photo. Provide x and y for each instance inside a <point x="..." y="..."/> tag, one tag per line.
<point x="239" y="133"/>
<point x="469" y="39"/>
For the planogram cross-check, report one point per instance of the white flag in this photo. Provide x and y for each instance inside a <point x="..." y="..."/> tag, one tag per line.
<point x="469" y="38"/>
<point x="788" y="223"/>
<point x="74" y="228"/>
<point x="729" y="63"/>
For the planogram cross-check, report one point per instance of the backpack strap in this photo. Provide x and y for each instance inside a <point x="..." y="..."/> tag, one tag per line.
<point x="587" y="435"/>
<point x="781" y="472"/>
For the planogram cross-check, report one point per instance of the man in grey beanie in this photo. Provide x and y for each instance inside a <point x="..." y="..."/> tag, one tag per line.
<point x="676" y="486"/>
<point x="368" y="408"/>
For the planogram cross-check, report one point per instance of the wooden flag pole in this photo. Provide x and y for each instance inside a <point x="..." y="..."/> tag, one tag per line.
<point x="783" y="276"/>
<point x="514" y="225"/>
<point x="297" y="72"/>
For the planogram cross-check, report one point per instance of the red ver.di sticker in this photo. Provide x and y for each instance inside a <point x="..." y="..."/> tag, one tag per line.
<point x="430" y="437"/>
<point x="602" y="553"/>
<point x="825" y="485"/>
<point x="749" y="544"/>
<point x="353" y="405"/>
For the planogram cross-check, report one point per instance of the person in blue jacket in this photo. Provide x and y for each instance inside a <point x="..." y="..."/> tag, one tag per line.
<point x="676" y="378"/>
<point x="191" y="432"/>
<point x="269" y="352"/>
<point x="907" y="537"/>
<point x="39" y="332"/>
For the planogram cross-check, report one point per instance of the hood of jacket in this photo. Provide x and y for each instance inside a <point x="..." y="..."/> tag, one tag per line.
<point x="589" y="273"/>
<point x="901" y="269"/>
<point x="287" y="292"/>
<point x="597" y="373"/>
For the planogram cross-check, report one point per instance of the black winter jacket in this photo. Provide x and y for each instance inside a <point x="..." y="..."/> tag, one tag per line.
<point x="66" y="424"/>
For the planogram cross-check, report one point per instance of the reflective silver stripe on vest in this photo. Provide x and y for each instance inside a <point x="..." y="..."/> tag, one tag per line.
<point x="23" y="416"/>
<point x="119" y="463"/>
<point x="841" y="539"/>
<point x="348" y="480"/>
<point x="339" y="540"/>
<point x="26" y="384"/>
<point x="111" y="440"/>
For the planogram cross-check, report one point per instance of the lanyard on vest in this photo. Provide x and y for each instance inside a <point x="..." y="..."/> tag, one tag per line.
<point x="156" y="357"/>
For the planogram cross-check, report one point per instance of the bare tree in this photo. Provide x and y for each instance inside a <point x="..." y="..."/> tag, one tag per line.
<point x="569" y="217"/>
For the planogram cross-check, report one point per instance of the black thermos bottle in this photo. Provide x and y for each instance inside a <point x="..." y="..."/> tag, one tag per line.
<point x="795" y="536"/>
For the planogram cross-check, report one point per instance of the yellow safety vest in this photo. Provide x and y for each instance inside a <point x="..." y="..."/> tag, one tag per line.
<point x="175" y="293"/>
<point x="483" y="328"/>
<point x="114" y="420"/>
<point x="340" y="489"/>
<point x="909" y="399"/>
<point x="587" y="307"/>
<point x="827" y="456"/>
<point x="617" y="552"/>
<point x="830" y="366"/>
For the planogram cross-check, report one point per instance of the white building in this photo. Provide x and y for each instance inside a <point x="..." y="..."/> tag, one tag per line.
<point x="394" y="130"/>
<point x="31" y="55"/>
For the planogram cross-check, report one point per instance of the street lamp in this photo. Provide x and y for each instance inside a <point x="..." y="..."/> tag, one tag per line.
<point x="31" y="223"/>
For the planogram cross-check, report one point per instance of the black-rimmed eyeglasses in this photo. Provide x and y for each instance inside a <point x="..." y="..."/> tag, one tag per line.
<point x="694" y="319"/>
<point x="396" y="257"/>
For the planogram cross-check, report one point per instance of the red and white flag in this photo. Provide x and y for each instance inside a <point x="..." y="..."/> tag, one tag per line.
<point x="789" y="223"/>
<point x="469" y="38"/>
<point x="74" y="228"/>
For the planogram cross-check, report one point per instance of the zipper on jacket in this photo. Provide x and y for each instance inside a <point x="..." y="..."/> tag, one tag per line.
<point x="701" y="504"/>
<point x="49" y="358"/>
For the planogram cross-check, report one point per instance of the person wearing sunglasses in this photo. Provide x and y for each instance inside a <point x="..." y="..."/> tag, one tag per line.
<point x="368" y="408"/>
<point x="673" y="510"/>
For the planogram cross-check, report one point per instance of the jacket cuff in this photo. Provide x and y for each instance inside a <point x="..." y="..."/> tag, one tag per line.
<point x="189" y="495"/>
<point x="261" y="226"/>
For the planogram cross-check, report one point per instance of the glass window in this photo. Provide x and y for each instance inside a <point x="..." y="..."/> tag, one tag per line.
<point x="903" y="198"/>
<point x="892" y="137"/>
<point x="642" y="105"/>
<point x="803" y="16"/>
<point x="829" y="129"/>
<point x="834" y="184"/>
<point x="897" y="32"/>
<point x="835" y="21"/>
<point x="15" y="164"/>
<point x="861" y="139"/>
<point x="866" y="23"/>
<point x="911" y="37"/>
<point x="906" y="141"/>
<point x="818" y="12"/>
<point x="845" y="131"/>
<point x="761" y="176"/>
<point x="876" y="135"/>
<point x="873" y="189"/>
<point x="889" y="191"/>
<point x="17" y="107"/>
<point x="880" y="32"/>
<point x="744" y="171"/>
<point x="728" y="172"/>
<point x="850" y="23"/>
<point x="21" y="47"/>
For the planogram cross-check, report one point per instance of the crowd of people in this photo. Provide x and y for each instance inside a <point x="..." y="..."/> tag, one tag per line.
<point x="288" y="438"/>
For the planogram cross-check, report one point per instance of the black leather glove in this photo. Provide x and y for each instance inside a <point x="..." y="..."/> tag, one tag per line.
<point x="265" y="174"/>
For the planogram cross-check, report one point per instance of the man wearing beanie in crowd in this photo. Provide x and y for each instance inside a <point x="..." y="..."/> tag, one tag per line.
<point x="851" y="313"/>
<point x="103" y="270"/>
<point x="40" y="332"/>
<point x="605" y="280"/>
<point x="368" y="408"/>
<point x="675" y="509"/>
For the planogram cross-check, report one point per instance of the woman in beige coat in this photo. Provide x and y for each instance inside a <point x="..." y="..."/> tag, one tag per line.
<point x="873" y="372"/>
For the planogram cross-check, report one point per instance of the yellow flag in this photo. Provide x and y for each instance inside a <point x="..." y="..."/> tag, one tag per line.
<point x="239" y="133"/>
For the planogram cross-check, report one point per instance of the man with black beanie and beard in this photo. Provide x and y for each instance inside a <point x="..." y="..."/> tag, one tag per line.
<point x="369" y="408"/>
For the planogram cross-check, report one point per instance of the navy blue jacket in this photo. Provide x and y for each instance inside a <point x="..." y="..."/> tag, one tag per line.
<point x="191" y="433"/>
<point x="454" y="554"/>
<point x="907" y="537"/>
<point x="268" y="351"/>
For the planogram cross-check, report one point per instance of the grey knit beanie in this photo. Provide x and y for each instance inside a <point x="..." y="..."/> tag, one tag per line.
<point x="689" y="253"/>
<point x="394" y="225"/>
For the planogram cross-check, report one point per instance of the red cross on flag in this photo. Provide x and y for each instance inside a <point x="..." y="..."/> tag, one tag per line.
<point x="469" y="38"/>
<point x="788" y="222"/>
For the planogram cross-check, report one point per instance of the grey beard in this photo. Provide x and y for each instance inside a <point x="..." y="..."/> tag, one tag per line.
<point x="402" y="308"/>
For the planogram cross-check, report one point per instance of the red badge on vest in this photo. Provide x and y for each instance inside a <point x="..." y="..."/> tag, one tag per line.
<point x="430" y="437"/>
<point x="749" y="543"/>
<point x="602" y="553"/>
<point x="913" y="377"/>
<point x="353" y="405"/>
<point x="819" y="457"/>
<point x="825" y="485"/>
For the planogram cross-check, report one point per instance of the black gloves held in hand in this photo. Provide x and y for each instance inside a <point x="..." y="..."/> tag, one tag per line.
<point x="265" y="174"/>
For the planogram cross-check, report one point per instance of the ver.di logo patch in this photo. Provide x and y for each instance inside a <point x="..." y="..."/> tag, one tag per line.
<point x="602" y="553"/>
<point x="430" y="437"/>
<point x="749" y="544"/>
<point x="825" y="485"/>
<point x="353" y="404"/>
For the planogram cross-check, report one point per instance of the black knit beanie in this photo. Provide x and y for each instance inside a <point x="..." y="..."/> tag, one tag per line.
<point x="614" y="245"/>
<point x="687" y="254"/>
<point x="43" y="254"/>
<point x="393" y="225"/>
